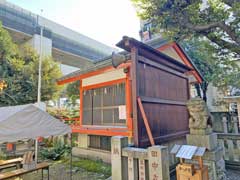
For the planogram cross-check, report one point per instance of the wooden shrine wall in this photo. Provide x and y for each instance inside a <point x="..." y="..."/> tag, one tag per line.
<point x="164" y="92"/>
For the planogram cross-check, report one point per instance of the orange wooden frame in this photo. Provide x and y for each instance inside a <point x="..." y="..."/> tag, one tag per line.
<point x="111" y="131"/>
<point x="186" y="61"/>
<point x="102" y="131"/>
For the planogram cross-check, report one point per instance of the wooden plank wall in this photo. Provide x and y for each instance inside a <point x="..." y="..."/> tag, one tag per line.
<point x="164" y="92"/>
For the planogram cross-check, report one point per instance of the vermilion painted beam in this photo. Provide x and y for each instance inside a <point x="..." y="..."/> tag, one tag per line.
<point x="162" y="48"/>
<point x="149" y="132"/>
<point x="186" y="61"/>
<point x="103" y="132"/>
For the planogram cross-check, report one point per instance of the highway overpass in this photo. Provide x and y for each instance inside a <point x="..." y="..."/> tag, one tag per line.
<point x="73" y="50"/>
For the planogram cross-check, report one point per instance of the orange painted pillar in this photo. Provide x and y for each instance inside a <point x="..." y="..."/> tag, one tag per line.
<point x="40" y="139"/>
<point x="9" y="146"/>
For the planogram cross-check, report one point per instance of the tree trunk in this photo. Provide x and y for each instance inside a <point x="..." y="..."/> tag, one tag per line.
<point x="198" y="90"/>
<point x="204" y="87"/>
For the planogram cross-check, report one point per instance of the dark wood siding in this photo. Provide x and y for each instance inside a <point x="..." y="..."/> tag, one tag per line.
<point x="164" y="93"/>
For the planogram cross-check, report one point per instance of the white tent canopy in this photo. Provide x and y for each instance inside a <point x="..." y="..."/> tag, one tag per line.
<point x="28" y="122"/>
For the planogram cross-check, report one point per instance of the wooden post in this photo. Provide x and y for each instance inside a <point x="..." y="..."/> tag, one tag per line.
<point x="117" y="143"/>
<point x="81" y="104"/>
<point x="158" y="163"/>
<point x="134" y="72"/>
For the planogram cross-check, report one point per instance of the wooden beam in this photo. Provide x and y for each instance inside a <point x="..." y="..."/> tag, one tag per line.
<point x="149" y="132"/>
<point x="135" y="92"/>
<point x="128" y="89"/>
<point x="162" y="101"/>
<point x="102" y="131"/>
<point x="187" y="62"/>
<point x="81" y="104"/>
<point x="161" y="67"/>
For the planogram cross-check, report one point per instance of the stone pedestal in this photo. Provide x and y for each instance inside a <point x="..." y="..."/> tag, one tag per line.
<point x="213" y="158"/>
<point x="82" y="140"/>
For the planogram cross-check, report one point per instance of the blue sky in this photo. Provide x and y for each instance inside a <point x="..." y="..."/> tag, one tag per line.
<point x="104" y="20"/>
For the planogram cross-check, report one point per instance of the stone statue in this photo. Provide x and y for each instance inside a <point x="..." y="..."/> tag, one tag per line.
<point x="200" y="117"/>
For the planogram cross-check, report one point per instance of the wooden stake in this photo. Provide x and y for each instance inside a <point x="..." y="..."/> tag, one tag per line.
<point x="149" y="132"/>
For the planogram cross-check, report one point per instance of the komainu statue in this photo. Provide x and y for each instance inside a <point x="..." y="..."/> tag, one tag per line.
<point x="200" y="117"/>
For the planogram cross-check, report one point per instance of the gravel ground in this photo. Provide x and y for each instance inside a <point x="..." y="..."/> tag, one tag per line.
<point x="60" y="171"/>
<point x="233" y="174"/>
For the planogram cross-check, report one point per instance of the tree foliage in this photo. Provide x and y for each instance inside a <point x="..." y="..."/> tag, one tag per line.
<point x="19" y="68"/>
<point x="72" y="91"/>
<point x="216" y="20"/>
<point x="219" y="70"/>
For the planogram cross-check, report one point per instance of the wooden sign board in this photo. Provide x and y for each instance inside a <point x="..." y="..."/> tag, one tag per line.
<point x="186" y="152"/>
<point x="200" y="151"/>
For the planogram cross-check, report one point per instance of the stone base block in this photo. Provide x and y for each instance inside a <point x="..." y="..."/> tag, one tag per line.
<point x="214" y="155"/>
<point x="93" y="154"/>
<point x="201" y="131"/>
<point x="208" y="141"/>
<point x="82" y="140"/>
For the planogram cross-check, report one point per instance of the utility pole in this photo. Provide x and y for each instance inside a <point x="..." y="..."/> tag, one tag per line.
<point x="39" y="84"/>
<point x="40" y="65"/>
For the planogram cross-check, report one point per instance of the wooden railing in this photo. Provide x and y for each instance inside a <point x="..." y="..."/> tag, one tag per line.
<point x="231" y="148"/>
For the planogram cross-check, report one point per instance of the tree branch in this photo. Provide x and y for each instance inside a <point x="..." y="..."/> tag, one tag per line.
<point x="230" y="2"/>
<point x="205" y="28"/>
<point x="222" y="43"/>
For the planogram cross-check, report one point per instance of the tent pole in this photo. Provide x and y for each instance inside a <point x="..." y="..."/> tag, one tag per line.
<point x="36" y="150"/>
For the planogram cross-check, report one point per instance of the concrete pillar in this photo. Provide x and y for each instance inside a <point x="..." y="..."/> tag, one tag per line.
<point x="235" y="124"/>
<point x="225" y="128"/>
<point x="117" y="143"/>
<point x="238" y="110"/>
<point x="158" y="163"/>
<point x="46" y="45"/>
<point x="83" y="140"/>
<point x="142" y="172"/>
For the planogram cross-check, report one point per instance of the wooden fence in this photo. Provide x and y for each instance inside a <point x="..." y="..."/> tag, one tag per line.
<point x="137" y="163"/>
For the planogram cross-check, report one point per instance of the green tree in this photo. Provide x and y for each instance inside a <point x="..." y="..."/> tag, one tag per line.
<point x="72" y="91"/>
<point x="220" y="70"/>
<point x="216" y="20"/>
<point x="19" y="68"/>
